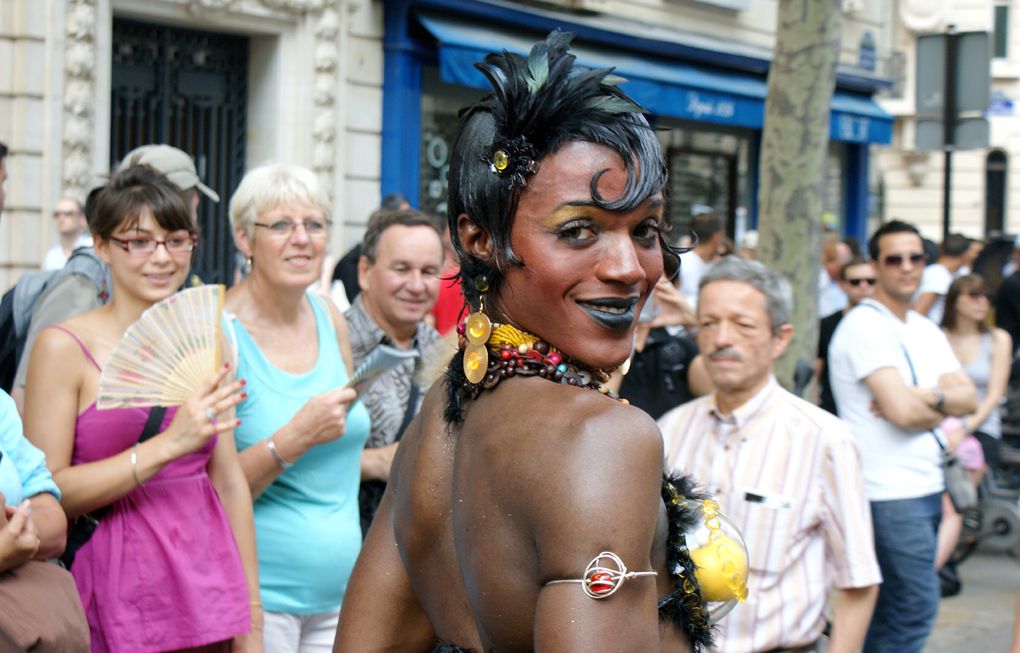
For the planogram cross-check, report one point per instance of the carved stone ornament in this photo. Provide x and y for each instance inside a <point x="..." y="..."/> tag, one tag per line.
<point x="80" y="82"/>
<point x="79" y="95"/>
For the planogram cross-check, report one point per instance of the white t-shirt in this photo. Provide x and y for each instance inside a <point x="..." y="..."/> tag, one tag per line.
<point x="55" y="257"/>
<point x="691" y="269"/>
<point x="897" y="464"/>
<point x="936" y="279"/>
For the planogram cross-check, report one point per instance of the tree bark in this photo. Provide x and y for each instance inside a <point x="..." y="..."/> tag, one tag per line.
<point x="793" y="153"/>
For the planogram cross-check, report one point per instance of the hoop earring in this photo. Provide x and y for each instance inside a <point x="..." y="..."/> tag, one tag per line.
<point x="478" y="328"/>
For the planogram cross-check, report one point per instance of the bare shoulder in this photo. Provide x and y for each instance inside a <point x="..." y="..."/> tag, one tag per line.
<point x="1002" y="340"/>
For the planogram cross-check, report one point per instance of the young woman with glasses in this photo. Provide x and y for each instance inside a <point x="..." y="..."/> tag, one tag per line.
<point x="171" y="564"/>
<point x="300" y="438"/>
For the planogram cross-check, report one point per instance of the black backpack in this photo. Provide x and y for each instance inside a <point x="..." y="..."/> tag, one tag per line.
<point x="18" y="304"/>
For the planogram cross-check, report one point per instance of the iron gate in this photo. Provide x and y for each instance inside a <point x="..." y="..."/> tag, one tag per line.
<point x="188" y="89"/>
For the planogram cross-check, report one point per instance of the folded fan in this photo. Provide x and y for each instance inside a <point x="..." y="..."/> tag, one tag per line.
<point x="167" y="354"/>
<point x="380" y="359"/>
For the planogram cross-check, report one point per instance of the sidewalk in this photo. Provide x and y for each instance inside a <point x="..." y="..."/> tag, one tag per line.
<point x="980" y="618"/>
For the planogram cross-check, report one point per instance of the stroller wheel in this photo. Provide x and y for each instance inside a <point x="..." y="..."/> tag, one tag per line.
<point x="1000" y="526"/>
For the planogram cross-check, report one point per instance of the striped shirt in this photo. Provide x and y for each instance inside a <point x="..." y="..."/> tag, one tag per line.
<point x="788" y="474"/>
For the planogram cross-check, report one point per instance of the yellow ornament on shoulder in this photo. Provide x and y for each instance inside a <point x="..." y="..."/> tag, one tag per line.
<point x="721" y="569"/>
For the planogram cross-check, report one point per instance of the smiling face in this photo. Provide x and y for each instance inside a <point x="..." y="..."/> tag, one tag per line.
<point x="736" y="337"/>
<point x="400" y="287"/>
<point x="286" y="258"/>
<point x="587" y="271"/>
<point x="148" y="278"/>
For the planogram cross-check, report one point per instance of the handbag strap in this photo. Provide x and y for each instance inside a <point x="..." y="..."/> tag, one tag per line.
<point x="913" y="374"/>
<point x="153" y="423"/>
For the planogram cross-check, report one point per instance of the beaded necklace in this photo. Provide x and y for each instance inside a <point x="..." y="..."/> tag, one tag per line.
<point x="515" y="352"/>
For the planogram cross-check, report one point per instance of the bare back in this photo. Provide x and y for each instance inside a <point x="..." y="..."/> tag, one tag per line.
<point x="484" y="516"/>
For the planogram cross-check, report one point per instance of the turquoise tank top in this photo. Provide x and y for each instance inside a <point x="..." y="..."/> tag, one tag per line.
<point x="306" y="523"/>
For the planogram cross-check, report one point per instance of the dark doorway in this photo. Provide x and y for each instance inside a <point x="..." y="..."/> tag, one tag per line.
<point x="701" y="182"/>
<point x="995" y="192"/>
<point x="188" y="89"/>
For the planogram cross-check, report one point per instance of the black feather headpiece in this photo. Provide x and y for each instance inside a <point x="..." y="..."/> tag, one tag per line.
<point x="539" y="99"/>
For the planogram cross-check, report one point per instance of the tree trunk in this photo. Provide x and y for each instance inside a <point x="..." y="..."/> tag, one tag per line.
<point x="793" y="153"/>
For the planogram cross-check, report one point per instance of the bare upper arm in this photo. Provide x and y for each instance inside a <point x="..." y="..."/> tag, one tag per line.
<point x="52" y="394"/>
<point x="609" y="477"/>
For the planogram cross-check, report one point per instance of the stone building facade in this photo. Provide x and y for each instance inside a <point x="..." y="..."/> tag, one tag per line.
<point x="984" y="199"/>
<point x="326" y="85"/>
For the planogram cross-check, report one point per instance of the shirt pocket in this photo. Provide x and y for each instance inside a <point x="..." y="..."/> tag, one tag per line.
<point x="765" y="520"/>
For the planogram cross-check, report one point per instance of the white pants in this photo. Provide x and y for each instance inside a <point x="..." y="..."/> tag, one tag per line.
<point x="294" y="633"/>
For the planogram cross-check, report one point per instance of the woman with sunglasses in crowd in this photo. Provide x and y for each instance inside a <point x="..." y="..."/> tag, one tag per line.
<point x="300" y="437"/>
<point x="171" y="564"/>
<point x="525" y="507"/>
<point x="985" y="352"/>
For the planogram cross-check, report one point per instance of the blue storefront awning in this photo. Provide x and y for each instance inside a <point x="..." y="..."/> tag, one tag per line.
<point x="666" y="88"/>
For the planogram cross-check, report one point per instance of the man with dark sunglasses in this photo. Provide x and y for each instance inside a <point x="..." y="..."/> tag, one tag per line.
<point x="894" y="378"/>
<point x="938" y="276"/>
<point x="857" y="279"/>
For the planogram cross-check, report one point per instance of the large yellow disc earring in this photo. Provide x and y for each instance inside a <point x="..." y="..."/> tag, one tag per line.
<point x="478" y="328"/>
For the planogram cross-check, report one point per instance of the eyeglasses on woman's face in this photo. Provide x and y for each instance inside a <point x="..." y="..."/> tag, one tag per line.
<point x="176" y="245"/>
<point x="285" y="228"/>
<point x="897" y="260"/>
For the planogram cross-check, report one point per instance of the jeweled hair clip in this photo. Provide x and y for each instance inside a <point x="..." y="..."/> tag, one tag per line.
<point x="514" y="160"/>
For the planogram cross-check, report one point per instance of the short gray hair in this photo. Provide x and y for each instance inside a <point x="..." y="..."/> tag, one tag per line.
<point x="775" y="287"/>
<point x="272" y="185"/>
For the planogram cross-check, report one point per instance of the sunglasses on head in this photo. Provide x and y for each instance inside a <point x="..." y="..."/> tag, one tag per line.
<point x="896" y="260"/>
<point x="976" y="294"/>
<point x="856" y="282"/>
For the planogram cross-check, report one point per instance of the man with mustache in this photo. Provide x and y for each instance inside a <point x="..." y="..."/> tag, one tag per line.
<point x="895" y="377"/>
<point x="786" y="472"/>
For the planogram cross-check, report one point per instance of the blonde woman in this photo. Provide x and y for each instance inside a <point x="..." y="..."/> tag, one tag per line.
<point x="300" y="440"/>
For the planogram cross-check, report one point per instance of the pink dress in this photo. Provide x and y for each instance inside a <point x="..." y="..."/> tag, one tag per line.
<point x="162" y="570"/>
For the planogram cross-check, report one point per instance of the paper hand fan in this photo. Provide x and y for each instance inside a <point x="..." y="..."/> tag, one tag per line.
<point x="382" y="358"/>
<point x="167" y="354"/>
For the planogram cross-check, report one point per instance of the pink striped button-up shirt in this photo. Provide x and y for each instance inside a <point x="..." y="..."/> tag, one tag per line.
<point x="788" y="474"/>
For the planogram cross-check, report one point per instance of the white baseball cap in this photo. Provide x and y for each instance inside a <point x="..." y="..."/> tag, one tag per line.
<point x="174" y="164"/>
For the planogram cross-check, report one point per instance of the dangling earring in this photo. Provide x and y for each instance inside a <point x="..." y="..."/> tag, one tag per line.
<point x="104" y="291"/>
<point x="478" y="328"/>
<point x="247" y="266"/>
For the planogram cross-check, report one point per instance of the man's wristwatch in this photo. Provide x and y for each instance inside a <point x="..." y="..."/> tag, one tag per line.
<point x="940" y="399"/>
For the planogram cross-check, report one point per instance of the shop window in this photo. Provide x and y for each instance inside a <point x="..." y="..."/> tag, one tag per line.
<point x="440" y="125"/>
<point x="995" y="192"/>
<point x="708" y="172"/>
<point x="1000" y="44"/>
<point x="832" y="187"/>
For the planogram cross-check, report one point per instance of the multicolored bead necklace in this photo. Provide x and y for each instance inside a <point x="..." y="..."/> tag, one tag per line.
<point x="515" y="352"/>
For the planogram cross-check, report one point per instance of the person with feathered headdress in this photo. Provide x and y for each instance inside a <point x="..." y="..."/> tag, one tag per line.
<point x="524" y="511"/>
